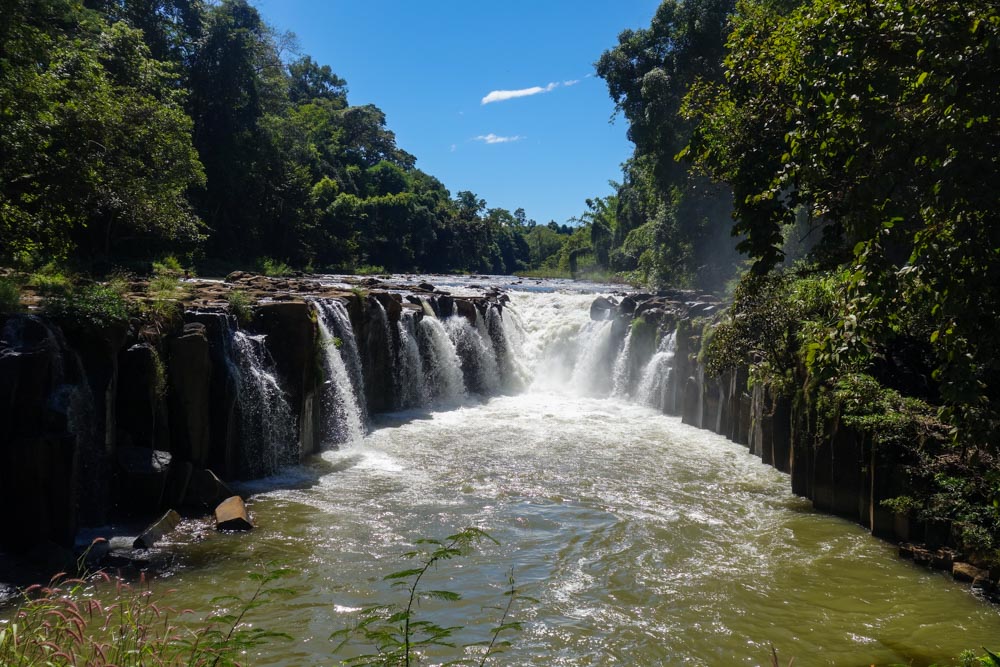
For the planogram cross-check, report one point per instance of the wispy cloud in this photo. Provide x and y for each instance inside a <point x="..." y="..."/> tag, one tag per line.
<point x="571" y="82"/>
<point x="495" y="139"/>
<point x="503" y="95"/>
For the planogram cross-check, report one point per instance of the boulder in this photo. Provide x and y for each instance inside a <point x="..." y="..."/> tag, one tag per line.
<point x="968" y="572"/>
<point x="425" y="286"/>
<point x="231" y="514"/>
<point x="601" y="309"/>
<point x="466" y="309"/>
<point x="156" y="530"/>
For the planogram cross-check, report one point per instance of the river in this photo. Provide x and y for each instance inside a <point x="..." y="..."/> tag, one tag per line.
<point x="642" y="540"/>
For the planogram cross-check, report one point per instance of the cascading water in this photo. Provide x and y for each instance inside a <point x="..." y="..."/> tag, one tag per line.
<point x="442" y="367"/>
<point x="267" y="426"/>
<point x="642" y="540"/>
<point x="655" y="387"/>
<point x="343" y="418"/>
<point x="411" y="383"/>
<point x="339" y="323"/>
<point x="511" y="378"/>
<point x="479" y="361"/>
<point x="621" y="375"/>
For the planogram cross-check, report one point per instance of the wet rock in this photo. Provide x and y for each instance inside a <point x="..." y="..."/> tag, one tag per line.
<point x="601" y="309"/>
<point x="466" y="309"/>
<point x="968" y="572"/>
<point x="627" y="305"/>
<point x="205" y="490"/>
<point x="190" y="376"/>
<point x="155" y="532"/>
<point x="236" y="276"/>
<point x="427" y="287"/>
<point x="231" y="514"/>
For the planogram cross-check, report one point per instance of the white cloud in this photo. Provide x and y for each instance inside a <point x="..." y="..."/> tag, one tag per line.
<point x="502" y="95"/>
<point x="494" y="139"/>
<point x="454" y="148"/>
<point x="571" y="82"/>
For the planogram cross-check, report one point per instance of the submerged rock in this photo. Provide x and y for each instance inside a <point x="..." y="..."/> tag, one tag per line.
<point x="155" y="532"/>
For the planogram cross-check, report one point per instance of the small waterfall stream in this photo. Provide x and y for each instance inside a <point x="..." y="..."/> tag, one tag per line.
<point x="411" y="383"/>
<point x="344" y="419"/>
<point x="475" y="349"/>
<point x="655" y="387"/>
<point x="267" y="425"/>
<point x="442" y="366"/>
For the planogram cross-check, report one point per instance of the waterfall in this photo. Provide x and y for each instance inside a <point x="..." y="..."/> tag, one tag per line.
<point x="593" y="362"/>
<point x="411" y="383"/>
<point x="510" y="378"/>
<point x="343" y="418"/>
<point x="655" y="387"/>
<point x="479" y="362"/>
<point x="339" y="322"/>
<point x="267" y="427"/>
<point x="622" y="373"/>
<point x="442" y="367"/>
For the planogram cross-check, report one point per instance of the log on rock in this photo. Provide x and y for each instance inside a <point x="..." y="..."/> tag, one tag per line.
<point x="155" y="532"/>
<point x="231" y="514"/>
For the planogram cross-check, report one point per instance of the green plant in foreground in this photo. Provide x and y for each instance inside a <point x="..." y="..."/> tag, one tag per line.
<point x="72" y="622"/>
<point x="399" y="636"/>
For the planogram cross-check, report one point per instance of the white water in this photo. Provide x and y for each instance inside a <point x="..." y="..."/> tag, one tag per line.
<point x="645" y="541"/>
<point x="443" y="368"/>
<point x="267" y="426"/>
<point x="475" y="350"/>
<point x="411" y="383"/>
<point x="344" y="420"/>
<point x="655" y="389"/>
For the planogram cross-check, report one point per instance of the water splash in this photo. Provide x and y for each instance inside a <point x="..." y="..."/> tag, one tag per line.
<point x="343" y="418"/>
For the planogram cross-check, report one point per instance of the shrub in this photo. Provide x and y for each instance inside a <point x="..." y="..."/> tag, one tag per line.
<point x="97" y="305"/>
<point x="273" y="268"/>
<point x="240" y="306"/>
<point x="369" y="270"/>
<point x="49" y="280"/>
<point x="10" y="296"/>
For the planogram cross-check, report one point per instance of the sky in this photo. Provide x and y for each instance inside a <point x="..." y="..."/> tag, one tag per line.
<point x="499" y="98"/>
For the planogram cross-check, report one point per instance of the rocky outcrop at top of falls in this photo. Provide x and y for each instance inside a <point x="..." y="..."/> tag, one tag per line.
<point x="125" y="421"/>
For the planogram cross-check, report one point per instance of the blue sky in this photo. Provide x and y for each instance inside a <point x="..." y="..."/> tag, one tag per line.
<point x="429" y="65"/>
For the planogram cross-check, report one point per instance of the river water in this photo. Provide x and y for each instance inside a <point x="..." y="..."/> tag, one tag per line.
<point x="642" y="540"/>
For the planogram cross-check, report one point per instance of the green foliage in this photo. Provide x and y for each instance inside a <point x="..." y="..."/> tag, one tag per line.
<point x="10" y="295"/>
<point x="369" y="270"/>
<point x="88" y="305"/>
<point x="274" y="268"/>
<point x="50" y="280"/>
<point x="240" y="306"/>
<point x="400" y="637"/>
<point x="70" y="622"/>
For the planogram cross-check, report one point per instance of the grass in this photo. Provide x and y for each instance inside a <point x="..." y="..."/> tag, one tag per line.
<point x="51" y="281"/>
<point x="240" y="306"/>
<point x="10" y="296"/>
<point x="106" y="621"/>
<point x="274" y="268"/>
<point x="97" y="305"/>
<point x="369" y="270"/>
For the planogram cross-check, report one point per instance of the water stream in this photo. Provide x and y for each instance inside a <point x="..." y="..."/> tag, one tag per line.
<point x="645" y="541"/>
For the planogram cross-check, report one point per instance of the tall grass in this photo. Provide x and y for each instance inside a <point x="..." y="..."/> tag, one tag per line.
<point x="108" y="622"/>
